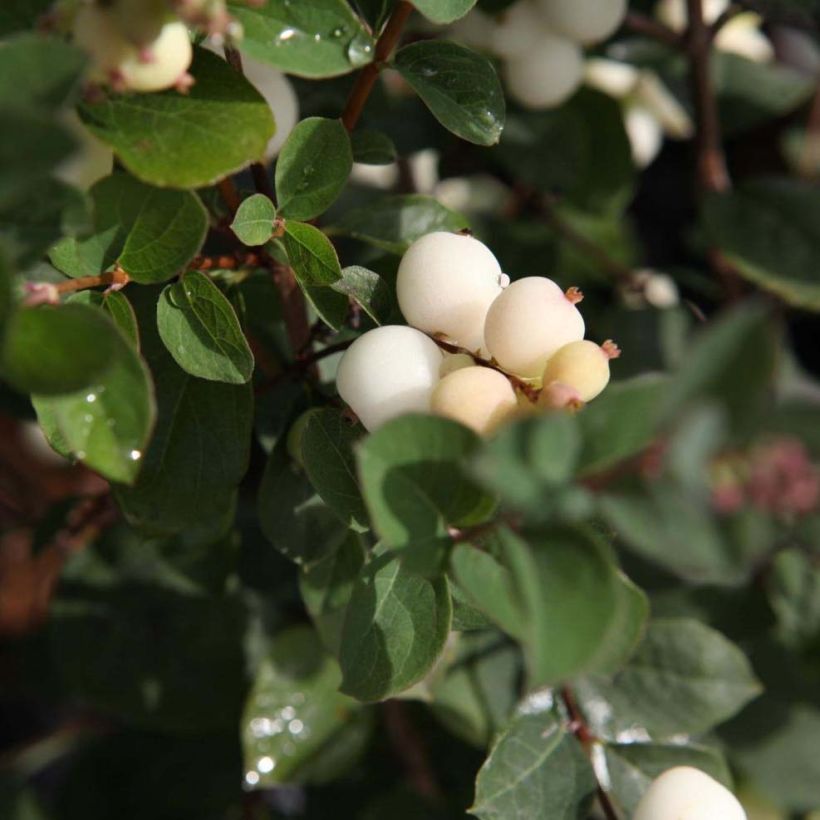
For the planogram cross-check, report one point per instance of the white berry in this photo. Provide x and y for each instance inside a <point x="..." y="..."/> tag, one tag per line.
<point x="517" y="30"/>
<point x="388" y="371"/>
<point x="581" y="365"/>
<point x="584" y="21"/>
<point x="478" y="397"/>
<point x="686" y="793"/>
<point x="162" y="63"/>
<point x="445" y="284"/>
<point x="528" y="323"/>
<point x="547" y="74"/>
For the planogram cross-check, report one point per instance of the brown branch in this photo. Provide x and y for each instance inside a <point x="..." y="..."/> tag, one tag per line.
<point x="388" y="41"/>
<point x="587" y="740"/>
<point x="409" y="748"/>
<point x="229" y="193"/>
<point x="117" y="277"/>
<point x="711" y="162"/>
<point x="641" y="24"/>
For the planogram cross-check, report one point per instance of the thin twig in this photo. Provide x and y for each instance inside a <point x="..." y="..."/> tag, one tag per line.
<point x="117" y="277"/>
<point x="388" y="41"/>
<point x="229" y="193"/>
<point x="587" y="740"/>
<point x="641" y="24"/>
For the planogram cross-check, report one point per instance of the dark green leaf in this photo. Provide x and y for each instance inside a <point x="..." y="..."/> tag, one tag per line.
<point x="107" y="424"/>
<point x="116" y="306"/>
<point x="327" y="452"/>
<point x="311" y="255"/>
<point x="535" y="769"/>
<point x="200" y="329"/>
<point x="684" y="678"/>
<point x="369" y="291"/>
<point x="373" y="148"/>
<point x="793" y="587"/>
<point x="459" y="86"/>
<point x="19" y="15"/>
<point x="186" y="140"/>
<point x="395" y="628"/>
<point x="38" y="70"/>
<point x="57" y="349"/>
<point x="770" y="231"/>
<point x="253" y="222"/>
<point x="413" y="482"/>
<point x="393" y="223"/>
<point x="633" y="766"/>
<point x="322" y="38"/>
<point x="331" y="306"/>
<point x="295" y="716"/>
<point x="312" y="168"/>
<point x="152" y="233"/>
<point x="443" y="11"/>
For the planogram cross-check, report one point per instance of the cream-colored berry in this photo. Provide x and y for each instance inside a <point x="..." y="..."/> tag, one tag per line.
<point x="584" y="21"/>
<point x="161" y="64"/>
<point x="546" y="74"/>
<point x="582" y="366"/>
<point x="686" y="793"/>
<point x="528" y="323"/>
<point x="388" y="371"/>
<point x="445" y="285"/>
<point x="478" y="397"/>
<point x="517" y="30"/>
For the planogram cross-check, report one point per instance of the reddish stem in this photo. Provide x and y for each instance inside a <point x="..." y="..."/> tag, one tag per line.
<point x="115" y="277"/>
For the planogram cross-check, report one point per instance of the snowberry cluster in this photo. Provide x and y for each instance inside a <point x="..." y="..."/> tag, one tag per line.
<point x="686" y="793"/>
<point x="136" y="46"/>
<point x="523" y="343"/>
<point x="540" y="43"/>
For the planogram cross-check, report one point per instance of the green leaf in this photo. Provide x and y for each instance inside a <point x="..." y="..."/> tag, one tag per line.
<point x="393" y="223"/>
<point x="312" y="168"/>
<point x="292" y="515"/>
<point x="459" y="86"/>
<point x="793" y="589"/>
<point x="186" y="140"/>
<point x="311" y="255"/>
<point x="38" y="70"/>
<point x="395" y="628"/>
<point x="633" y="766"/>
<point x="295" y="719"/>
<point x="327" y="452"/>
<point x="253" y="221"/>
<point x="684" y="678"/>
<point x="622" y="422"/>
<point x="373" y="148"/>
<point x="116" y="306"/>
<point x="57" y="349"/>
<point x="769" y="229"/>
<point x="476" y="694"/>
<point x="152" y="233"/>
<point x="326" y="588"/>
<point x="413" y="482"/>
<point x="199" y="452"/>
<point x="580" y="614"/>
<point x="322" y="38"/>
<point x="443" y="11"/>
<point x="535" y="769"/>
<point x="6" y="305"/>
<point x="200" y="329"/>
<point x="331" y="306"/>
<point x="107" y="424"/>
<point x="369" y="291"/>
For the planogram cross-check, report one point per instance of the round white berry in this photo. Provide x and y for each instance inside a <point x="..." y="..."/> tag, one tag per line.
<point x="644" y="132"/>
<point x="528" y="323"/>
<point x="686" y="793"/>
<point x="547" y="74"/>
<point x="445" y="284"/>
<point x="584" y="21"/>
<point x="388" y="371"/>
<point x="160" y="64"/>
<point x="517" y="30"/>
<point x="475" y="29"/>
<point x="581" y="365"/>
<point x="478" y="397"/>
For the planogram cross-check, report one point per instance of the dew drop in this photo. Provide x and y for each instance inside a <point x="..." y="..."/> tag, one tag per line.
<point x="288" y="713"/>
<point x="265" y="764"/>
<point x="88" y="418"/>
<point x="135" y="455"/>
<point x="251" y="778"/>
<point x="91" y="397"/>
<point x="295" y="727"/>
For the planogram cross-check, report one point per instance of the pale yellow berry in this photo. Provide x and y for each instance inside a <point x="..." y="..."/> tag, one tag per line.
<point x="686" y="793"/>
<point x="161" y="64"/>
<point x="478" y="397"/>
<point x="582" y="366"/>
<point x="529" y="322"/>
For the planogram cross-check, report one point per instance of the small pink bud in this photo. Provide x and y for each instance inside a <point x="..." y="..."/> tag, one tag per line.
<point x="146" y="55"/>
<point x="184" y="83"/>
<point x="610" y="349"/>
<point x="575" y="295"/>
<point x="560" y="396"/>
<point x="40" y="293"/>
